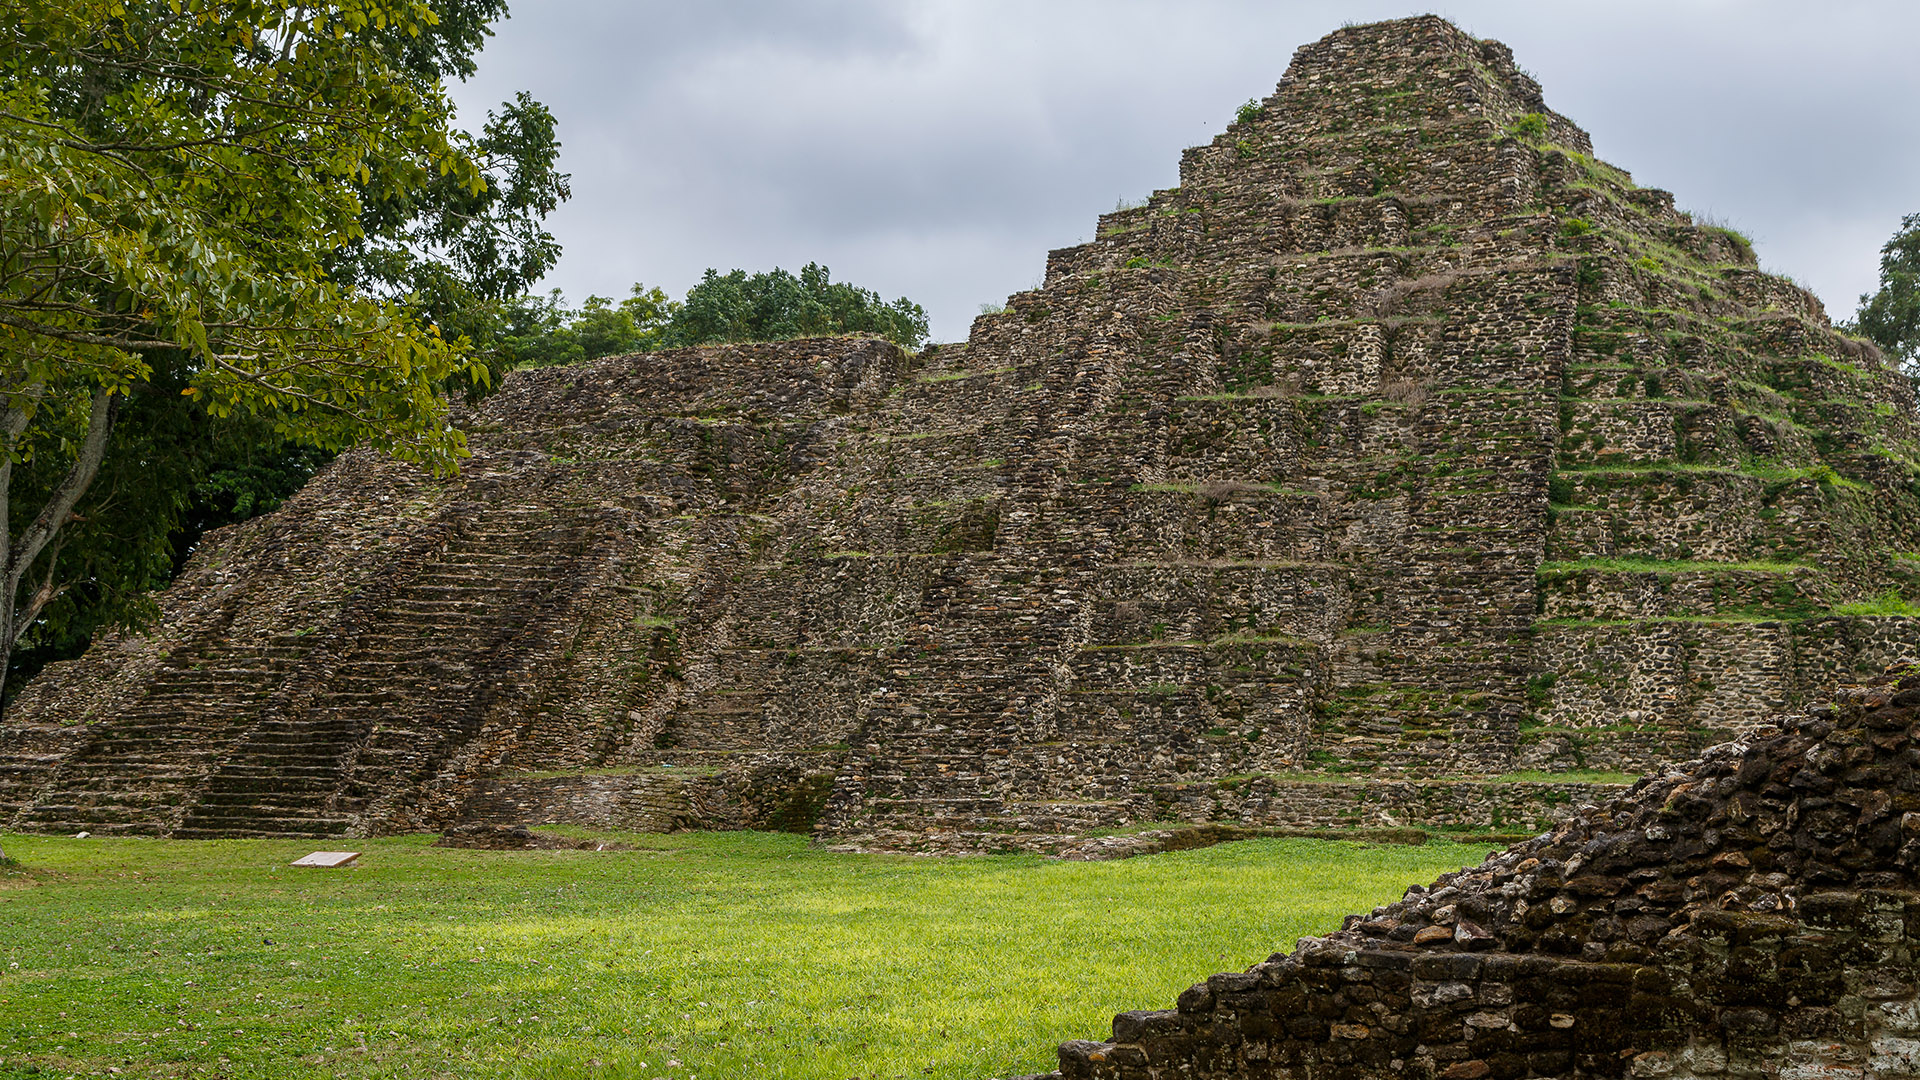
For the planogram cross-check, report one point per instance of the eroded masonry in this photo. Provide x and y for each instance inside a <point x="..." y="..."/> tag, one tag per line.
<point x="1404" y="447"/>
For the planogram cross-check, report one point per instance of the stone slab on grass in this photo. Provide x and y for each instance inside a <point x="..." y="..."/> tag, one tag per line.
<point x="327" y="859"/>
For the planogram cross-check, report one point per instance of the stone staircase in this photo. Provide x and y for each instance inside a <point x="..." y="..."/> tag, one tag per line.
<point x="140" y="770"/>
<point x="302" y="733"/>
<point x="409" y="689"/>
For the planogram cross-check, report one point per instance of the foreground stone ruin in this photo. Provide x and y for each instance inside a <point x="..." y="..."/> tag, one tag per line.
<point x="1751" y="914"/>
<point x="1403" y="447"/>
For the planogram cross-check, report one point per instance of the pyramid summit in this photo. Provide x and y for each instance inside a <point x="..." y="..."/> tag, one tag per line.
<point x="1405" y="444"/>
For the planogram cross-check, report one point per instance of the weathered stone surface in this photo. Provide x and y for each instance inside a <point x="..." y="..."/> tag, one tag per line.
<point x="1748" y="914"/>
<point x="1402" y="446"/>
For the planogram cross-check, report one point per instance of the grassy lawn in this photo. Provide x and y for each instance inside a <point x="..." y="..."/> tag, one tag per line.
<point x="700" y="955"/>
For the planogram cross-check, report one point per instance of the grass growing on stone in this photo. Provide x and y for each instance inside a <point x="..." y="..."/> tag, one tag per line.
<point x="1891" y="603"/>
<point x="1683" y="566"/>
<point x="701" y="955"/>
<point x="1570" y="776"/>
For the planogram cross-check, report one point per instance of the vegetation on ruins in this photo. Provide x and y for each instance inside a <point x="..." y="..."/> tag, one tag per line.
<point x="735" y="955"/>
<point x="1890" y="317"/>
<point x="225" y="260"/>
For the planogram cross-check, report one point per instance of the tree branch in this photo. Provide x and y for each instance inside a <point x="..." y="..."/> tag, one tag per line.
<point x="45" y="594"/>
<point x="59" y="507"/>
<point x="81" y="337"/>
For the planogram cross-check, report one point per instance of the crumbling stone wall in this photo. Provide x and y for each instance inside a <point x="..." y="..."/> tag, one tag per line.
<point x="1753" y="913"/>
<point x="1403" y="443"/>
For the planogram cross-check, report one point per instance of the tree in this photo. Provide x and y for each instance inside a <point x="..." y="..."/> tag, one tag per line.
<point x="776" y="305"/>
<point x="1890" y="318"/>
<point x="636" y="324"/>
<point x="452" y="253"/>
<point x="186" y="189"/>
<point x="171" y="472"/>
<point x="459" y="257"/>
<point x="541" y="331"/>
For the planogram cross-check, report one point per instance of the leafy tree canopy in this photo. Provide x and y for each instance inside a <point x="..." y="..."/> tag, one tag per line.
<point x="776" y="305"/>
<point x="248" y="207"/>
<point x="539" y="331"/>
<point x="536" y="331"/>
<point x="1890" y="318"/>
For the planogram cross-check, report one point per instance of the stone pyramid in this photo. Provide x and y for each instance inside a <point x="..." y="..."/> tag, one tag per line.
<point x="1404" y="447"/>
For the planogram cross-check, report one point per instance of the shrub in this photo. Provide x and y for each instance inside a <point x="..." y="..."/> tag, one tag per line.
<point x="1531" y="126"/>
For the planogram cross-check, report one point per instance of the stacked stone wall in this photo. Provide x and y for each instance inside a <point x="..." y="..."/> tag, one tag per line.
<point x="1753" y="913"/>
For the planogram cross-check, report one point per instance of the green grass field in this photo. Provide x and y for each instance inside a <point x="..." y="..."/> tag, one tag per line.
<point x="700" y="955"/>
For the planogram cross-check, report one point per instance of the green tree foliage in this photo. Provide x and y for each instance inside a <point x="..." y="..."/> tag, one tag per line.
<point x="222" y="201"/>
<point x="170" y="473"/>
<point x="459" y="257"/>
<point x="458" y="254"/>
<point x="636" y="324"/>
<point x="539" y="331"/>
<point x="1890" y="318"/>
<point x="776" y="305"/>
<point x="453" y="255"/>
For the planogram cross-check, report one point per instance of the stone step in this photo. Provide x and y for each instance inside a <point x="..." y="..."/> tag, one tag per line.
<point x="213" y="828"/>
<point x="294" y="740"/>
<point x="44" y="816"/>
<point x="233" y="772"/>
<point x="147" y="771"/>
<point x="259" y="804"/>
<point x="225" y="787"/>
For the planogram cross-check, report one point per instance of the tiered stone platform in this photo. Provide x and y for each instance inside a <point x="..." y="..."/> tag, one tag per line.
<point x="1405" y="465"/>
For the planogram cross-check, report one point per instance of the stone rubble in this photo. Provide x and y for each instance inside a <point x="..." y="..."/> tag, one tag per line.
<point x="1754" y="913"/>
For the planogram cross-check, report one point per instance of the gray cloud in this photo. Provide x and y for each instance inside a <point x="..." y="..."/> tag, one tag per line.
<point x="938" y="148"/>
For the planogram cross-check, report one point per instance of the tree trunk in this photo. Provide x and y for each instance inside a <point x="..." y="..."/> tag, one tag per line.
<point x="18" y="554"/>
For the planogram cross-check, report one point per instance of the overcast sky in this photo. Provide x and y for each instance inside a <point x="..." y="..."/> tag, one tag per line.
<point x="938" y="148"/>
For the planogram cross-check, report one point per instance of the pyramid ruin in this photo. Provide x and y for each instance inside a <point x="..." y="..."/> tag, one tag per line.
<point x="1401" y="461"/>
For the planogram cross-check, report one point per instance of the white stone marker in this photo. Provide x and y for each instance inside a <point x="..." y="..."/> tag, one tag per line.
<point x="327" y="858"/>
